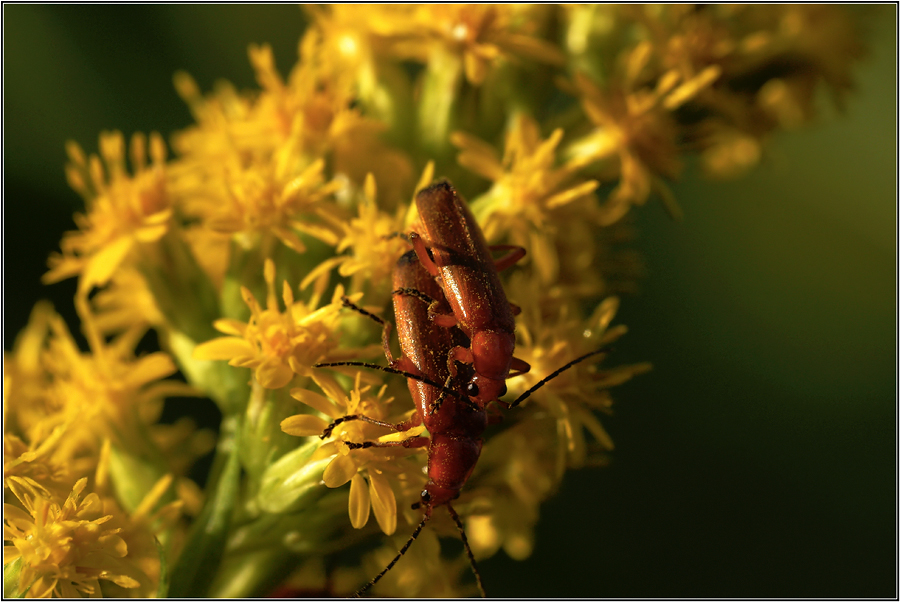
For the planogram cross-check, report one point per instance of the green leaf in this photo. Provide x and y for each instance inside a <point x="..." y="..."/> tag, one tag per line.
<point x="11" y="574"/>
<point x="292" y="482"/>
<point x="162" y="591"/>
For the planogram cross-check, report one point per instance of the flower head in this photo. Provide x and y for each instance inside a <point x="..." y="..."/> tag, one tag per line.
<point x="634" y="123"/>
<point x="370" y="471"/>
<point x="550" y="340"/>
<point x="104" y="393"/>
<point x="256" y="163"/>
<point x="528" y="190"/>
<point x="123" y="210"/>
<point x="477" y="35"/>
<point x="64" y="547"/>
<point x="278" y="344"/>
<point x="373" y="241"/>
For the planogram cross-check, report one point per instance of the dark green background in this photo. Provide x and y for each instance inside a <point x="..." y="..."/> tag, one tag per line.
<point x="757" y="459"/>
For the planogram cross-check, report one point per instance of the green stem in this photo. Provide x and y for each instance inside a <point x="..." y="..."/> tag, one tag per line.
<point x="203" y="551"/>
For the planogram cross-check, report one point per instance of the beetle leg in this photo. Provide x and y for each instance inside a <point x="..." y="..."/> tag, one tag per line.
<point x="422" y="253"/>
<point x="414" y="420"/>
<point x="441" y="319"/>
<point x="494" y="416"/>
<point x="440" y="400"/>
<point x="459" y="354"/>
<point x="408" y="443"/>
<point x="438" y="311"/>
<point x="412" y="292"/>
<point x="517" y="367"/>
<point x="328" y="429"/>
<point x="385" y="327"/>
<point x="438" y="314"/>
<point x="510" y="259"/>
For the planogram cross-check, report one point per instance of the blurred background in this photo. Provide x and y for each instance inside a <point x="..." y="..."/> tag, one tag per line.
<point x="757" y="459"/>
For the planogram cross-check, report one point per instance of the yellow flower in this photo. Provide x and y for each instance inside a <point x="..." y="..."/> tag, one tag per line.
<point x="374" y="246"/>
<point x="125" y="302"/>
<point x="477" y="34"/>
<point x="482" y="33"/>
<point x="635" y="124"/>
<point x="107" y="391"/>
<point x="123" y="211"/>
<point x="61" y="409"/>
<point x="528" y="191"/>
<point x="24" y="379"/>
<point x="382" y="465"/>
<point x="64" y="548"/>
<point x="39" y="460"/>
<point x="516" y="474"/>
<point x="551" y="341"/>
<point x="266" y="200"/>
<point x="276" y="344"/>
<point x="248" y="153"/>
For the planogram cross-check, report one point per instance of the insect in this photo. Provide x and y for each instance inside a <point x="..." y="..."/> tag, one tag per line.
<point x="455" y="420"/>
<point x="455" y="423"/>
<point x="457" y="255"/>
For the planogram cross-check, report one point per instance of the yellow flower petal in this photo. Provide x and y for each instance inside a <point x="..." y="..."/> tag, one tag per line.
<point x="152" y="233"/>
<point x="150" y="368"/>
<point x="329" y="386"/>
<point x="572" y="194"/>
<point x="413" y="432"/>
<point x="102" y="264"/>
<point x="229" y="326"/>
<point x="303" y="425"/>
<point x="320" y="269"/>
<point x="273" y="373"/>
<point x="326" y="450"/>
<point x="359" y="502"/>
<point x="690" y="88"/>
<point x="593" y="425"/>
<point x="605" y="312"/>
<point x="339" y="471"/>
<point x="384" y="504"/>
<point x="316" y="401"/>
<point x="223" y="348"/>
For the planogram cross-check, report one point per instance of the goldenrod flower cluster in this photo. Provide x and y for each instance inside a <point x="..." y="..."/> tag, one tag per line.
<point x="238" y="240"/>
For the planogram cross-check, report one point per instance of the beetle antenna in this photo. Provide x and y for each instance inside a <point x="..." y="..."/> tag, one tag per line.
<point x="403" y="550"/>
<point x="559" y="371"/>
<point x="390" y="370"/>
<point x="462" y="535"/>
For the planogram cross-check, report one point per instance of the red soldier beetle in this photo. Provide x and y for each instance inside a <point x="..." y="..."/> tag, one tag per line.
<point x="457" y="255"/>
<point x="455" y="421"/>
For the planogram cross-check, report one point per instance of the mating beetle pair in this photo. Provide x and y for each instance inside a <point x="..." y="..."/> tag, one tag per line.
<point x="456" y="331"/>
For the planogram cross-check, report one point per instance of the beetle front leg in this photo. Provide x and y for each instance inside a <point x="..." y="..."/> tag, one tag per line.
<point x="421" y="250"/>
<point x="462" y="355"/>
<point x="411" y="442"/>
<point x="385" y="327"/>
<point x="438" y="312"/>
<point x="517" y="367"/>
<point x="510" y="259"/>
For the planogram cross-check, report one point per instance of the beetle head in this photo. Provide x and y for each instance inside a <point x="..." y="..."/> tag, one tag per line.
<point x="492" y="352"/>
